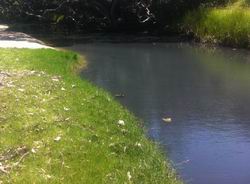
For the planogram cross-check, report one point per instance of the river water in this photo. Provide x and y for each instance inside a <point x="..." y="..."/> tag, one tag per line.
<point x="206" y="92"/>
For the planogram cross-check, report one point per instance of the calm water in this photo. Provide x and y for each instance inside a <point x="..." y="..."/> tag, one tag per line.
<point x="206" y="93"/>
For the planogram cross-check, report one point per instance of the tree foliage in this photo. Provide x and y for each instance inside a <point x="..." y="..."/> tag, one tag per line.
<point x="99" y="14"/>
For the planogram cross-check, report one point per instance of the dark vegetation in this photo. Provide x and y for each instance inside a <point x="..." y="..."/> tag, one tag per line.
<point x="102" y="15"/>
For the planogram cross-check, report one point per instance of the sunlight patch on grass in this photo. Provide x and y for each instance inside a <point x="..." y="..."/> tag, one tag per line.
<point x="228" y="26"/>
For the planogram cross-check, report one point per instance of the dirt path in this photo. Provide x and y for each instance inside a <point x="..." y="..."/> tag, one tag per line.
<point x="9" y="39"/>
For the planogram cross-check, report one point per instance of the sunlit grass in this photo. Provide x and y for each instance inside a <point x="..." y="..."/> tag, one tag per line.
<point x="58" y="128"/>
<point x="240" y="3"/>
<point x="229" y="25"/>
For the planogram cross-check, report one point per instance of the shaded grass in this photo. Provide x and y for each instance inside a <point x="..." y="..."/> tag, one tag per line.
<point x="224" y="25"/>
<point x="61" y="129"/>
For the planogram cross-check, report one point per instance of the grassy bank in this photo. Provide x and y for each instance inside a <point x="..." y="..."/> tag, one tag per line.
<point x="57" y="128"/>
<point x="228" y="25"/>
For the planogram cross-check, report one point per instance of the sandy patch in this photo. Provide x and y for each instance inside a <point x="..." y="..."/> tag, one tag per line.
<point x="3" y="27"/>
<point x="12" y="39"/>
<point x="22" y="44"/>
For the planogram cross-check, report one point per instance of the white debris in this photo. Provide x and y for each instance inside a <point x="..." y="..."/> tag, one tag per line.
<point x="129" y="176"/>
<point x="55" y="79"/>
<point x="167" y="120"/>
<point x="121" y="122"/>
<point x="138" y="144"/>
<point x="20" y="89"/>
<point x="58" y="138"/>
<point x="66" y="109"/>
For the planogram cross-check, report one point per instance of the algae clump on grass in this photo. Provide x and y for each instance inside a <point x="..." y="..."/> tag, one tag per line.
<point x="58" y="128"/>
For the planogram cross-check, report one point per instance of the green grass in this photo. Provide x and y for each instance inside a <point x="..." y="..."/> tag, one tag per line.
<point x="228" y="25"/>
<point x="240" y="3"/>
<point x="58" y="128"/>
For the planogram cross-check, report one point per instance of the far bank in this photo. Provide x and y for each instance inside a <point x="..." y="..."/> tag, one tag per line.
<point x="228" y="25"/>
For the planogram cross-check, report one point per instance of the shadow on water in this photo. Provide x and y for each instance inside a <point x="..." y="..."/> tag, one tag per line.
<point x="206" y="92"/>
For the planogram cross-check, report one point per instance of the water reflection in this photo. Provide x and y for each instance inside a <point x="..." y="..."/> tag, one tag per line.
<point x="207" y="94"/>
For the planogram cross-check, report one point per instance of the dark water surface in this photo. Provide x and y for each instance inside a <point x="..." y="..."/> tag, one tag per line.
<point x="206" y="93"/>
